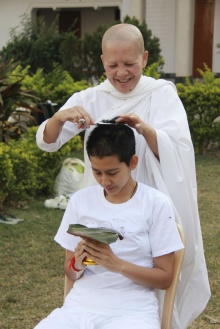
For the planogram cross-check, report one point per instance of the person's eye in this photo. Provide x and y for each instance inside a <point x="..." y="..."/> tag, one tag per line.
<point x="97" y="173"/>
<point x="112" y="66"/>
<point x="112" y="173"/>
<point x="129" y="65"/>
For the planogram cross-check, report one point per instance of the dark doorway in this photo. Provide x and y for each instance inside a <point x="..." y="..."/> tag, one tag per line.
<point x="70" y="20"/>
<point x="203" y="34"/>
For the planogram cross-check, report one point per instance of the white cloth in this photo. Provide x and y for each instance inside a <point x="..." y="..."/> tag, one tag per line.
<point x="63" y="318"/>
<point x="157" y="103"/>
<point x="148" y="226"/>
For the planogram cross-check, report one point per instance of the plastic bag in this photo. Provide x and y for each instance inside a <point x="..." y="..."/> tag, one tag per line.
<point x="70" y="178"/>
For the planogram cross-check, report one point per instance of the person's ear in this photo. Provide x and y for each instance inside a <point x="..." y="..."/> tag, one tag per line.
<point x="103" y="60"/>
<point x="145" y="58"/>
<point x="134" y="162"/>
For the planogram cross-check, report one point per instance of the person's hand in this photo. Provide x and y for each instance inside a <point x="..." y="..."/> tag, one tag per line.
<point x="133" y="121"/>
<point x="80" y="254"/>
<point x="55" y="124"/>
<point x="75" y="114"/>
<point x="102" y="254"/>
<point x="144" y="129"/>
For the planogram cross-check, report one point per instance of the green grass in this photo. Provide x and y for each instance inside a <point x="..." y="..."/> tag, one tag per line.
<point x="31" y="262"/>
<point x="208" y="176"/>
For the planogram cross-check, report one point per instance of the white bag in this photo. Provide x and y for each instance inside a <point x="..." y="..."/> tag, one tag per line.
<point x="70" y="177"/>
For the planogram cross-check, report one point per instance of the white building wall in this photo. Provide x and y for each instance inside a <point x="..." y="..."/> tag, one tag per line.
<point x="133" y="8"/>
<point x="184" y="31"/>
<point x="10" y="17"/>
<point x="160" y="18"/>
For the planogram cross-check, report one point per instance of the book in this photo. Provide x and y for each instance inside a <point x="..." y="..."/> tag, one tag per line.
<point x="102" y="234"/>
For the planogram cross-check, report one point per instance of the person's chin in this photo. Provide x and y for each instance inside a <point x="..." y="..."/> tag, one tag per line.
<point x="124" y="87"/>
<point x="110" y="191"/>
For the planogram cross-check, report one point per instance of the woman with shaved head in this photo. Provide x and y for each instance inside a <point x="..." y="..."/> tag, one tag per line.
<point x="154" y="111"/>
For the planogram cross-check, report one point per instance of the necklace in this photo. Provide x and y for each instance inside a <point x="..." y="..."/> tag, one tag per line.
<point x="134" y="191"/>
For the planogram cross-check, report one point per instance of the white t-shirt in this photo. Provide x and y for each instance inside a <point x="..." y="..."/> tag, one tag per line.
<point x="147" y="224"/>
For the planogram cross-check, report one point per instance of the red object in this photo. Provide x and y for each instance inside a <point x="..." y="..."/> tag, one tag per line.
<point x="72" y="265"/>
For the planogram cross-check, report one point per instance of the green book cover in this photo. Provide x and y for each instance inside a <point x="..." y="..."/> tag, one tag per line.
<point x="101" y="234"/>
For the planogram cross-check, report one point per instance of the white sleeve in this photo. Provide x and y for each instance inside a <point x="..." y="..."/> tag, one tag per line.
<point x="66" y="240"/>
<point x="164" y="235"/>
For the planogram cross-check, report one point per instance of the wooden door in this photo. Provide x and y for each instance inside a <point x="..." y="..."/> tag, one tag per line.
<point x="203" y="34"/>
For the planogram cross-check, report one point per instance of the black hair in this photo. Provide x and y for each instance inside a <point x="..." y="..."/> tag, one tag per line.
<point x="112" y="139"/>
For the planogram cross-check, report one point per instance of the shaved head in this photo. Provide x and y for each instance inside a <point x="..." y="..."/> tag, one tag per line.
<point x="124" y="32"/>
<point x="123" y="56"/>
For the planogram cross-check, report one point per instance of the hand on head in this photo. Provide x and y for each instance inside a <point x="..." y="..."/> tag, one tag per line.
<point x="133" y="121"/>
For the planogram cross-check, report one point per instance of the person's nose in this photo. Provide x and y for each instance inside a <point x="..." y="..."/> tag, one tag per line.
<point x="105" y="181"/>
<point x="122" y="71"/>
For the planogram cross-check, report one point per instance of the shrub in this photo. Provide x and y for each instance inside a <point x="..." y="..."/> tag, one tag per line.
<point x="7" y="176"/>
<point x="71" y="55"/>
<point x="37" y="46"/>
<point x="12" y="96"/>
<point x="58" y="85"/>
<point x="154" y="70"/>
<point x="201" y="100"/>
<point x="26" y="171"/>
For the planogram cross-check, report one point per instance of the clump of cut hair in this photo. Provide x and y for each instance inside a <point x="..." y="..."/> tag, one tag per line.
<point x="112" y="139"/>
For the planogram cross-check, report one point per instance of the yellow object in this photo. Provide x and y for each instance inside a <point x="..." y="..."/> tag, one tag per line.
<point x="88" y="261"/>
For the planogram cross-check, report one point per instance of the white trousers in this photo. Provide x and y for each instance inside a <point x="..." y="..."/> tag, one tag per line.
<point x="63" y="318"/>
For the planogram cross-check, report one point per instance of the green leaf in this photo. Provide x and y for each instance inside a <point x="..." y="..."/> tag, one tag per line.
<point x="101" y="234"/>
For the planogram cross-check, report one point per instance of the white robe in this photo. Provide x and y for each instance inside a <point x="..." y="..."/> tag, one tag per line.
<point x="157" y="103"/>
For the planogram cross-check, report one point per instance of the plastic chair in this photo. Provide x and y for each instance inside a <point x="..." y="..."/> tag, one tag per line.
<point x="170" y="293"/>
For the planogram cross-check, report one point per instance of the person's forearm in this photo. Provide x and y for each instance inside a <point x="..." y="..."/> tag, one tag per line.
<point x="150" y="136"/>
<point x="70" y="273"/>
<point x="73" y="267"/>
<point x="150" y="277"/>
<point x="52" y="130"/>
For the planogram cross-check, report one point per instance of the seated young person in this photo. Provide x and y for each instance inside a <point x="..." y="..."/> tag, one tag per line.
<point x="118" y="292"/>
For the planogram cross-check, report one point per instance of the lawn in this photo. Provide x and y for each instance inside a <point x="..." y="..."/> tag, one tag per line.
<point x="31" y="262"/>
